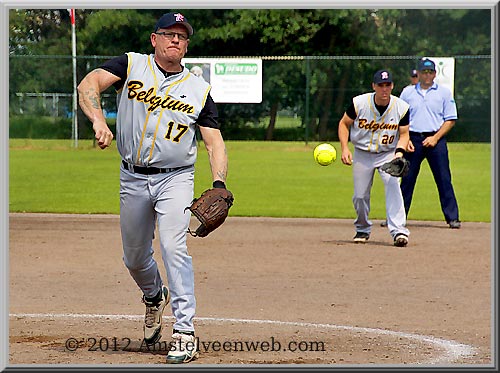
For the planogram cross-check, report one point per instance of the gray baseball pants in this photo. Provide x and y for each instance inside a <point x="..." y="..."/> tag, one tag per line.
<point x="364" y="166"/>
<point x="161" y="199"/>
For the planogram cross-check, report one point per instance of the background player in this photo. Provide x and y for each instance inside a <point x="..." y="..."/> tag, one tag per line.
<point x="413" y="78"/>
<point x="378" y="127"/>
<point x="160" y="104"/>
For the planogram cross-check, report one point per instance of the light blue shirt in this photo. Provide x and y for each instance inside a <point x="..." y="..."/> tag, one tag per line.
<point x="429" y="111"/>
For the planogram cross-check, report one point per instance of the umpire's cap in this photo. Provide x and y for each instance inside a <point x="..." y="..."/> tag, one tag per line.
<point x="170" y="19"/>
<point x="426" y="64"/>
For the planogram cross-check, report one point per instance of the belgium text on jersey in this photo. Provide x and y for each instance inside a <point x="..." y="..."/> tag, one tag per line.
<point x="156" y="101"/>
<point x="374" y="126"/>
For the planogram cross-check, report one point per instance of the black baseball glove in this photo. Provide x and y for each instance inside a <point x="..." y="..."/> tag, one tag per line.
<point x="211" y="209"/>
<point x="397" y="167"/>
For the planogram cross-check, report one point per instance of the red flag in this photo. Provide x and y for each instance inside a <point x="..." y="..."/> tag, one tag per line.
<point x="72" y="15"/>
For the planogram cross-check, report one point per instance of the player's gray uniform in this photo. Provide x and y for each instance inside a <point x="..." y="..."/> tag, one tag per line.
<point x="156" y="127"/>
<point x="375" y="137"/>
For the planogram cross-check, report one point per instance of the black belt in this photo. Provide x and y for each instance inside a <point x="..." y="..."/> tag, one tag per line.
<point x="423" y="134"/>
<point x="148" y="170"/>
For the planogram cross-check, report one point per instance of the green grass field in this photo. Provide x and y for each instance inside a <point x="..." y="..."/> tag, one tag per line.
<point x="277" y="179"/>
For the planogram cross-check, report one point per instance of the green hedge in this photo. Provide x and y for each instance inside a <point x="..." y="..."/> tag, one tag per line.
<point x="34" y="127"/>
<point x="43" y="127"/>
<point x="259" y="134"/>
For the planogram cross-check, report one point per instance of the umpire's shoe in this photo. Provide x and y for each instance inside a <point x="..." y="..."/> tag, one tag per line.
<point x="153" y="317"/>
<point x="183" y="348"/>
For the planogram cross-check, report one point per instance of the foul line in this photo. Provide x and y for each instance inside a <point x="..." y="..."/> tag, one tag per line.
<point x="452" y="350"/>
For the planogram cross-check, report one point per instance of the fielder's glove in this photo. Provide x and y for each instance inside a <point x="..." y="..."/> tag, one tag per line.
<point x="398" y="167"/>
<point x="211" y="209"/>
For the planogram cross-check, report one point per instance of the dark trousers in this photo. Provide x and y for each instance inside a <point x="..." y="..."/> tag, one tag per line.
<point x="439" y="163"/>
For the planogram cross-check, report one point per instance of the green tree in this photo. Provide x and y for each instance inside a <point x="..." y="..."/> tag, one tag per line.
<point x="37" y="32"/>
<point x="457" y="32"/>
<point x="291" y="32"/>
<point x="320" y="33"/>
<point x="111" y="33"/>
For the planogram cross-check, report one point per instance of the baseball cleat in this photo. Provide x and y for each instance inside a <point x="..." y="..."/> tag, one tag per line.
<point x="361" y="237"/>
<point x="184" y="348"/>
<point x="455" y="224"/>
<point x="153" y="317"/>
<point x="400" y="240"/>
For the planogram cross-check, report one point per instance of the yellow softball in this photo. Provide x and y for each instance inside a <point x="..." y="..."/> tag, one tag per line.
<point x="325" y="154"/>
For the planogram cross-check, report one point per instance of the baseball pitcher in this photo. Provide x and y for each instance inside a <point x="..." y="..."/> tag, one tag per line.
<point x="160" y="105"/>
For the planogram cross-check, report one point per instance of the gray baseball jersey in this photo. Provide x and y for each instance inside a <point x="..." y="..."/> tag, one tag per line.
<point x="156" y="126"/>
<point x="375" y="137"/>
<point x="156" y="118"/>
<point x="373" y="132"/>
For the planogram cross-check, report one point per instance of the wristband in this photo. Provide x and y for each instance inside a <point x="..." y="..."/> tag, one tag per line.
<point x="219" y="184"/>
<point x="400" y="150"/>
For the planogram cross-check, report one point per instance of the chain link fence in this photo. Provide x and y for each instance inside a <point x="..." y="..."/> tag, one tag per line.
<point x="303" y="96"/>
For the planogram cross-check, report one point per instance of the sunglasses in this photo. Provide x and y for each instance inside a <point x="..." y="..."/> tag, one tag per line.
<point x="427" y="71"/>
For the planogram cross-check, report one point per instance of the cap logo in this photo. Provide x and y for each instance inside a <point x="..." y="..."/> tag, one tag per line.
<point x="385" y="75"/>
<point x="179" y="17"/>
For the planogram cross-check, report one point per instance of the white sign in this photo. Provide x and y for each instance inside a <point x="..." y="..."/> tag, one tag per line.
<point x="445" y="71"/>
<point x="233" y="80"/>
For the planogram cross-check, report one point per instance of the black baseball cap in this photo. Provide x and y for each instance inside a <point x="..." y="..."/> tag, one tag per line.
<point x="426" y="64"/>
<point x="414" y="73"/>
<point x="382" y="76"/>
<point x="169" y="19"/>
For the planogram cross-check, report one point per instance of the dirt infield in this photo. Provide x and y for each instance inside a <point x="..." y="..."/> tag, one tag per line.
<point x="269" y="291"/>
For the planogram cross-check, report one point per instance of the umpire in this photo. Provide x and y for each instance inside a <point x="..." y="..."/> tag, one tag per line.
<point x="433" y="113"/>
